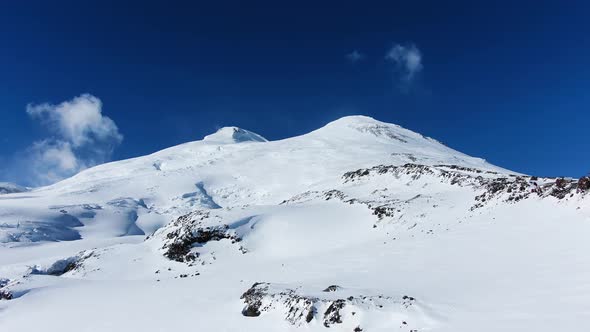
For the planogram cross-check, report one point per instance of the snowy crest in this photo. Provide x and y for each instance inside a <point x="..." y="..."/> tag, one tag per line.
<point x="230" y="135"/>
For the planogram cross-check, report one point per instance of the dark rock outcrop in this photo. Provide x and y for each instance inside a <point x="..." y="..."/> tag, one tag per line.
<point x="301" y="307"/>
<point x="65" y="265"/>
<point x="194" y="230"/>
<point x="179" y="248"/>
<point x="584" y="183"/>
<point x="5" y="294"/>
<point x="332" y="288"/>
<point x="507" y="187"/>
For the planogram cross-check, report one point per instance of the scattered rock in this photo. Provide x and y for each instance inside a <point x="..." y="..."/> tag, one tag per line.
<point x="63" y="266"/>
<point x="333" y="314"/>
<point x="508" y="188"/>
<point x="188" y="232"/>
<point x="5" y="295"/>
<point x="332" y="288"/>
<point x="584" y="183"/>
<point x="300" y="307"/>
<point x="253" y="298"/>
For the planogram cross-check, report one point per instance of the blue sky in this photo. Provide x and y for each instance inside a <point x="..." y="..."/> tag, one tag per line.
<point x="503" y="81"/>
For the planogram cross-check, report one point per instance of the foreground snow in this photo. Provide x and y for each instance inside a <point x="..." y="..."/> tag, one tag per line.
<point x="306" y="233"/>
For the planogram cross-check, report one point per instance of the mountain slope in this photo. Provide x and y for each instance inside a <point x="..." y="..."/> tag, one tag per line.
<point x="359" y="225"/>
<point x="175" y="181"/>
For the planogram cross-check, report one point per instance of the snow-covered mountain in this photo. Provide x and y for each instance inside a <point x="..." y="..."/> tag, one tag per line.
<point x="357" y="226"/>
<point x="10" y="188"/>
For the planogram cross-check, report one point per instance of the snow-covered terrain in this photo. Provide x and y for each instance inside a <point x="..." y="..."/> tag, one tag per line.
<point x="357" y="226"/>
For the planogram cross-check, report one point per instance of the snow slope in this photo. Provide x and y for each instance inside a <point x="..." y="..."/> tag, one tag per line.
<point x="359" y="225"/>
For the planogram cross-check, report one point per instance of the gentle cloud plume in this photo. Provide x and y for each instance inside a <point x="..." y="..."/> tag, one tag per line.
<point x="355" y="56"/>
<point x="79" y="121"/>
<point x="81" y="137"/>
<point x="407" y="59"/>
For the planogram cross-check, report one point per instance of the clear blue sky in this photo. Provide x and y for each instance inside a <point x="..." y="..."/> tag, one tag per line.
<point x="505" y="81"/>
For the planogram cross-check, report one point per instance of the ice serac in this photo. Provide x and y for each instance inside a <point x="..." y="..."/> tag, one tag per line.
<point x="230" y="135"/>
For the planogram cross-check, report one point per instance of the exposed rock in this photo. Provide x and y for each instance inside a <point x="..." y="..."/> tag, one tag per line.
<point x="300" y="307"/>
<point x="179" y="248"/>
<point x="486" y="187"/>
<point x="5" y="294"/>
<point x="253" y="298"/>
<point x="511" y="188"/>
<point x="333" y="314"/>
<point x="332" y="288"/>
<point x="251" y="311"/>
<point x="584" y="183"/>
<point x="63" y="266"/>
<point x="190" y="231"/>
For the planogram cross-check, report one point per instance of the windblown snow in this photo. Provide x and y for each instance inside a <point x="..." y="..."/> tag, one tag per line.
<point x="357" y="226"/>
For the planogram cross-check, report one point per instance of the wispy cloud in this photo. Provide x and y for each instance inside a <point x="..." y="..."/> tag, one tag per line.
<point x="51" y="161"/>
<point x="355" y="56"/>
<point x="407" y="59"/>
<point x="80" y="137"/>
<point x="79" y="121"/>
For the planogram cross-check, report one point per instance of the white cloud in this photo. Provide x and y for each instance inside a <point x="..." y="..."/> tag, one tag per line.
<point x="355" y="56"/>
<point x="52" y="160"/>
<point x="407" y="59"/>
<point x="81" y="137"/>
<point x="79" y="121"/>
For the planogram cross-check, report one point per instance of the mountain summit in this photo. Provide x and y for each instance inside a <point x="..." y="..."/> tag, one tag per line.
<point x="230" y="135"/>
